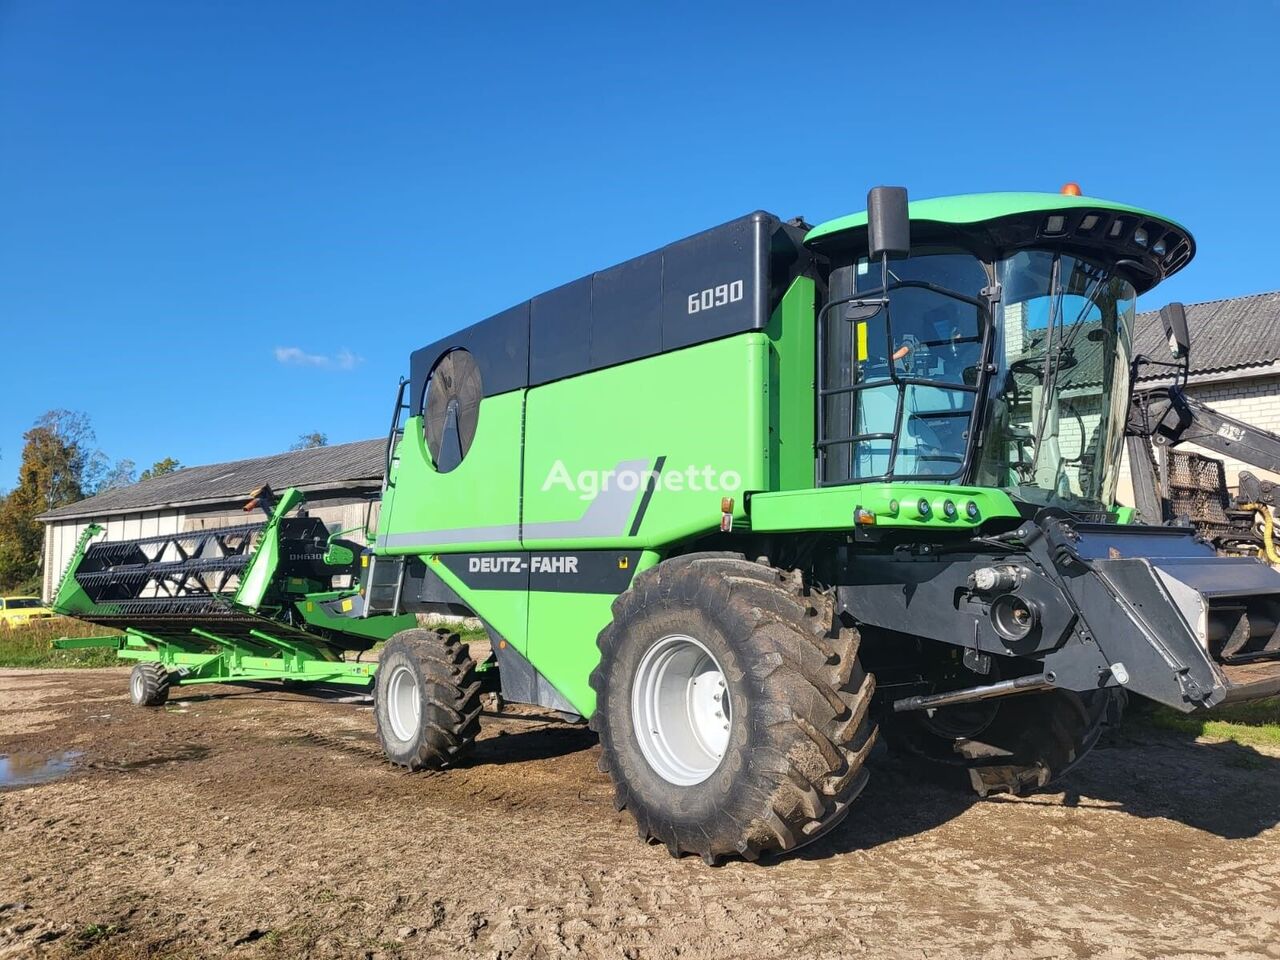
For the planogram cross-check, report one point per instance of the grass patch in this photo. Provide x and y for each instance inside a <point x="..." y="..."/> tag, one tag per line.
<point x="91" y="935"/>
<point x="31" y="645"/>
<point x="1252" y="724"/>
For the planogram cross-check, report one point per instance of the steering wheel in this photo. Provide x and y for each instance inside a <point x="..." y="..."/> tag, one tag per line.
<point x="1029" y="366"/>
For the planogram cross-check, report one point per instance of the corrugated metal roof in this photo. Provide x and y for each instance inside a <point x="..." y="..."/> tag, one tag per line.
<point x="356" y="464"/>
<point x="1228" y="338"/>
<point x="1238" y="333"/>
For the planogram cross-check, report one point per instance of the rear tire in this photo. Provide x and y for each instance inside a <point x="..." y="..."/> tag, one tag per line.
<point x="426" y="699"/>
<point x="149" y="684"/>
<point x="1030" y="740"/>
<point x="715" y="632"/>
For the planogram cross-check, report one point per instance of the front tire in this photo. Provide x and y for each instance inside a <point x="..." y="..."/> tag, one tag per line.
<point x="426" y="699"/>
<point x="731" y="708"/>
<point x="149" y="684"/>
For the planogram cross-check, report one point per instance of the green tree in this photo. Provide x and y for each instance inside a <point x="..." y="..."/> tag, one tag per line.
<point x="307" y="441"/>
<point x="58" y="462"/>
<point x="121" y="474"/>
<point x="160" y="468"/>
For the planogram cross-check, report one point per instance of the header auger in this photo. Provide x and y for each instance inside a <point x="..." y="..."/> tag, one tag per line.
<point x="747" y="504"/>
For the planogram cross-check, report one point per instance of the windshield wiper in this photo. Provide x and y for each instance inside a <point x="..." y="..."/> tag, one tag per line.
<point x="1057" y="361"/>
<point x="1050" y="372"/>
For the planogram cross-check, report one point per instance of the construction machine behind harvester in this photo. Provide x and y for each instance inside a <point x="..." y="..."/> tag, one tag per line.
<point x="744" y="503"/>
<point x="1191" y="488"/>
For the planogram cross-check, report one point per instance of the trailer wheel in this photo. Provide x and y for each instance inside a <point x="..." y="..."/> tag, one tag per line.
<point x="426" y="699"/>
<point x="1016" y="745"/>
<point x="731" y="708"/>
<point x="149" y="683"/>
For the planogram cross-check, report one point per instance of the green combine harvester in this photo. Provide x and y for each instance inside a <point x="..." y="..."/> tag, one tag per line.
<point x="743" y="504"/>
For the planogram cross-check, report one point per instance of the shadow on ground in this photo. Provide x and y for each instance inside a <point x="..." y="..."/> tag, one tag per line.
<point x="1223" y="788"/>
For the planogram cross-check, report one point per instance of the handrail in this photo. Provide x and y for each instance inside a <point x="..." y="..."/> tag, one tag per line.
<point x="880" y="296"/>
<point x="395" y="429"/>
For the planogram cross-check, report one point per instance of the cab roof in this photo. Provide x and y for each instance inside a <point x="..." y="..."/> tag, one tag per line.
<point x="1150" y="246"/>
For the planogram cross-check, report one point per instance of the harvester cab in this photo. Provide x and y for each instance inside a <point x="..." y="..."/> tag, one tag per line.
<point x="746" y="501"/>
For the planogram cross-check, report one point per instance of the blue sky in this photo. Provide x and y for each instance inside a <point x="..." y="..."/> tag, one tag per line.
<point x="225" y="224"/>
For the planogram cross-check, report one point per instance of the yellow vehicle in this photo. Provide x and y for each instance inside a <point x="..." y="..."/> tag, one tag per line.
<point x="16" y="611"/>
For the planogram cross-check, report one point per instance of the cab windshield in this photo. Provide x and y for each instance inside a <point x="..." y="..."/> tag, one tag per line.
<point x="1056" y="408"/>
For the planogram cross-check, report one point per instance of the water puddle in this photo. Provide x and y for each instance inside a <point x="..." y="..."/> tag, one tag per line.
<point x="25" y="769"/>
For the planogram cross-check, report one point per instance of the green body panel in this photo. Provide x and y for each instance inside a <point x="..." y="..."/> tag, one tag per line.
<point x="980" y="207"/>
<point x="506" y="611"/>
<point x="376" y="628"/>
<point x="115" y="642"/>
<point x="562" y="641"/>
<point x="703" y="407"/>
<point x="1124" y="514"/>
<point x="473" y="507"/>
<point x="792" y="373"/>
<point x="562" y="637"/>
<point x="832" y="508"/>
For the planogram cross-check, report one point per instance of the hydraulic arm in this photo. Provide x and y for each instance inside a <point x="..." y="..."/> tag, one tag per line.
<point x="1167" y="417"/>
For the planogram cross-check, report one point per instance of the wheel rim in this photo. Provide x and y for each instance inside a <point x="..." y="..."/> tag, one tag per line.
<point x="404" y="704"/>
<point x="681" y="711"/>
<point x="135" y="686"/>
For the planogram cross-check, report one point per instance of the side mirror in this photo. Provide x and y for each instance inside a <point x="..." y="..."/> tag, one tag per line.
<point x="888" y="222"/>
<point x="860" y="310"/>
<point x="1174" y="318"/>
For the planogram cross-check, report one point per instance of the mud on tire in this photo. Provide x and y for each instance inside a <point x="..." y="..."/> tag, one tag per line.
<point x="800" y="732"/>
<point x="1031" y="741"/>
<point x="149" y="683"/>
<point x="426" y="699"/>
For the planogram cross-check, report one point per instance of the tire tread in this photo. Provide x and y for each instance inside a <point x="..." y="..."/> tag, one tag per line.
<point x="808" y="765"/>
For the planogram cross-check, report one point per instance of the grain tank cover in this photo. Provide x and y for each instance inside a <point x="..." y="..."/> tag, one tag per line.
<point x="717" y="283"/>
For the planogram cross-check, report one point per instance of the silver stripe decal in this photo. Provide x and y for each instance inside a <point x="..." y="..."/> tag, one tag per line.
<point x="447" y="537"/>
<point x="606" y="516"/>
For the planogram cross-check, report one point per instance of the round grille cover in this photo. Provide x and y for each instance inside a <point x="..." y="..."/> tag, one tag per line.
<point x="451" y="408"/>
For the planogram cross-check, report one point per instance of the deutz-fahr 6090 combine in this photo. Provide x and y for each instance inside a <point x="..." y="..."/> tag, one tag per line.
<point x="742" y="503"/>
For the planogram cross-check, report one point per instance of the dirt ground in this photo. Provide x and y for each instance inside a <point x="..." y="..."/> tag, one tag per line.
<point x="256" y="822"/>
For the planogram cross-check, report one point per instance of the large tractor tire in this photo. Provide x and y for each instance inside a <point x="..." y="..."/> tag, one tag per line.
<point x="1015" y="745"/>
<point x="149" y="684"/>
<point x="731" y="708"/>
<point x="426" y="699"/>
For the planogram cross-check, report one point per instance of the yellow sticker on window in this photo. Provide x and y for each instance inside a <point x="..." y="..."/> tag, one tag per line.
<point x="346" y="605"/>
<point x="862" y="341"/>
